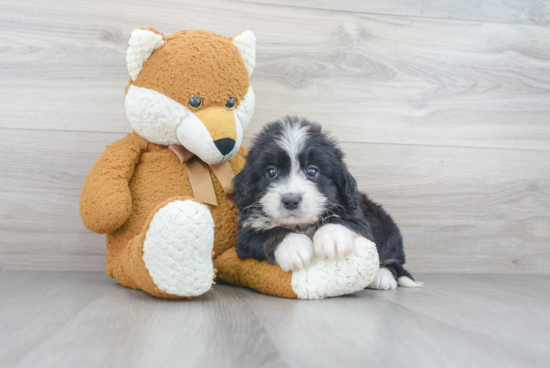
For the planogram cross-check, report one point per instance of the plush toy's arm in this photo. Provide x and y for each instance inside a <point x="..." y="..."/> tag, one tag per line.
<point x="106" y="202"/>
<point x="320" y="279"/>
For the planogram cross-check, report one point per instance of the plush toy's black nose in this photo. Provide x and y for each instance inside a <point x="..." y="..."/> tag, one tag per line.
<point x="291" y="202"/>
<point x="225" y="145"/>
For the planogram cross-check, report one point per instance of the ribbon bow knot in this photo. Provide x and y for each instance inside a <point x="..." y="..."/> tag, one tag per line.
<point x="200" y="179"/>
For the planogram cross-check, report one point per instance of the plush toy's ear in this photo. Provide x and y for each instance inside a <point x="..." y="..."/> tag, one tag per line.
<point x="141" y="45"/>
<point x="246" y="43"/>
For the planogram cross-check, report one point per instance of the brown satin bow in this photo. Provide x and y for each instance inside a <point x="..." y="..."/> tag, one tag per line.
<point x="199" y="176"/>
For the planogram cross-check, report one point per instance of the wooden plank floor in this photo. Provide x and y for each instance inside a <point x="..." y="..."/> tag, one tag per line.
<point x="64" y="319"/>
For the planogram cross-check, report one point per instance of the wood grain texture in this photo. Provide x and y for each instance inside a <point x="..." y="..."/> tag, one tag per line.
<point x="460" y="209"/>
<point x="61" y="319"/>
<point x="504" y="11"/>
<point x="386" y="79"/>
<point x="445" y="122"/>
<point x="368" y="328"/>
<point x="42" y="176"/>
<point x="475" y="210"/>
<point x="34" y="306"/>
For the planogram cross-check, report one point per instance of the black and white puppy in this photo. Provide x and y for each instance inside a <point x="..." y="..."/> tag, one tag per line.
<point x="297" y="199"/>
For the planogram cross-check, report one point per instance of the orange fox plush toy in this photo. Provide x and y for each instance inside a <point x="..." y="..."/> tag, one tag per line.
<point x="163" y="193"/>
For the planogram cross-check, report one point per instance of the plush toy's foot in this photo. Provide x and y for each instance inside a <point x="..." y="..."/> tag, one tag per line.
<point x="172" y="258"/>
<point x="320" y="279"/>
<point x="177" y="249"/>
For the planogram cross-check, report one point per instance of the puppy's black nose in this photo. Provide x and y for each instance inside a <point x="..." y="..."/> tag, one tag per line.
<point x="225" y="145"/>
<point x="291" y="202"/>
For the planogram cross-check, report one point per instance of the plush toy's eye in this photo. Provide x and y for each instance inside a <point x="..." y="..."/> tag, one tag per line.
<point x="231" y="102"/>
<point x="312" y="172"/>
<point x="195" y="102"/>
<point x="271" y="173"/>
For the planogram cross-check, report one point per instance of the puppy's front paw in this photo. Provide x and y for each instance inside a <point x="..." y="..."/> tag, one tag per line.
<point x="294" y="252"/>
<point x="332" y="241"/>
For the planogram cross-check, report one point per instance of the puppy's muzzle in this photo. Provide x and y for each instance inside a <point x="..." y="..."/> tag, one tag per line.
<point x="291" y="202"/>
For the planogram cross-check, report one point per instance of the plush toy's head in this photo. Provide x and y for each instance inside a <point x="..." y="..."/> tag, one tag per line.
<point x="191" y="89"/>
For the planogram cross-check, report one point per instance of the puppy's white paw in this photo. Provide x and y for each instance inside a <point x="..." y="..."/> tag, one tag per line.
<point x="332" y="241"/>
<point x="294" y="252"/>
<point x="384" y="280"/>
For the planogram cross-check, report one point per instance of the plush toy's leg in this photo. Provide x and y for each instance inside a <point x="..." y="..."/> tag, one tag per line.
<point x="320" y="279"/>
<point x="172" y="256"/>
<point x="253" y="274"/>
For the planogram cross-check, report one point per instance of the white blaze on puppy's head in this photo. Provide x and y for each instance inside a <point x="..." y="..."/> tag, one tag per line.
<point x="192" y="89"/>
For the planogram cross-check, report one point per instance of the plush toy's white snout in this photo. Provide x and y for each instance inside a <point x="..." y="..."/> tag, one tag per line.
<point x="197" y="133"/>
<point x="161" y="120"/>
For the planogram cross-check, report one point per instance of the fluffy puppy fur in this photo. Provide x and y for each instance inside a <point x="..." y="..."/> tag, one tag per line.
<point x="297" y="199"/>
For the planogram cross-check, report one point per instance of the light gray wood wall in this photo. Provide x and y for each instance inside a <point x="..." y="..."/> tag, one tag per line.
<point x="442" y="107"/>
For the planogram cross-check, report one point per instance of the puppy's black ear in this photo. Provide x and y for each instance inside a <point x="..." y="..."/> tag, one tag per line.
<point x="348" y="189"/>
<point x="243" y="188"/>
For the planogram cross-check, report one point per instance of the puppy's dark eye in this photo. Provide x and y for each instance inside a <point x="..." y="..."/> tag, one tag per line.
<point x="312" y="172"/>
<point x="231" y="102"/>
<point x="195" y="102"/>
<point x="271" y="173"/>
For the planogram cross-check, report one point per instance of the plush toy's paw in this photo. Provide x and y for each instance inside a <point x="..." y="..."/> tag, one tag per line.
<point x="384" y="280"/>
<point x="333" y="241"/>
<point x="294" y="252"/>
<point x="327" y="278"/>
<point x="177" y="250"/>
